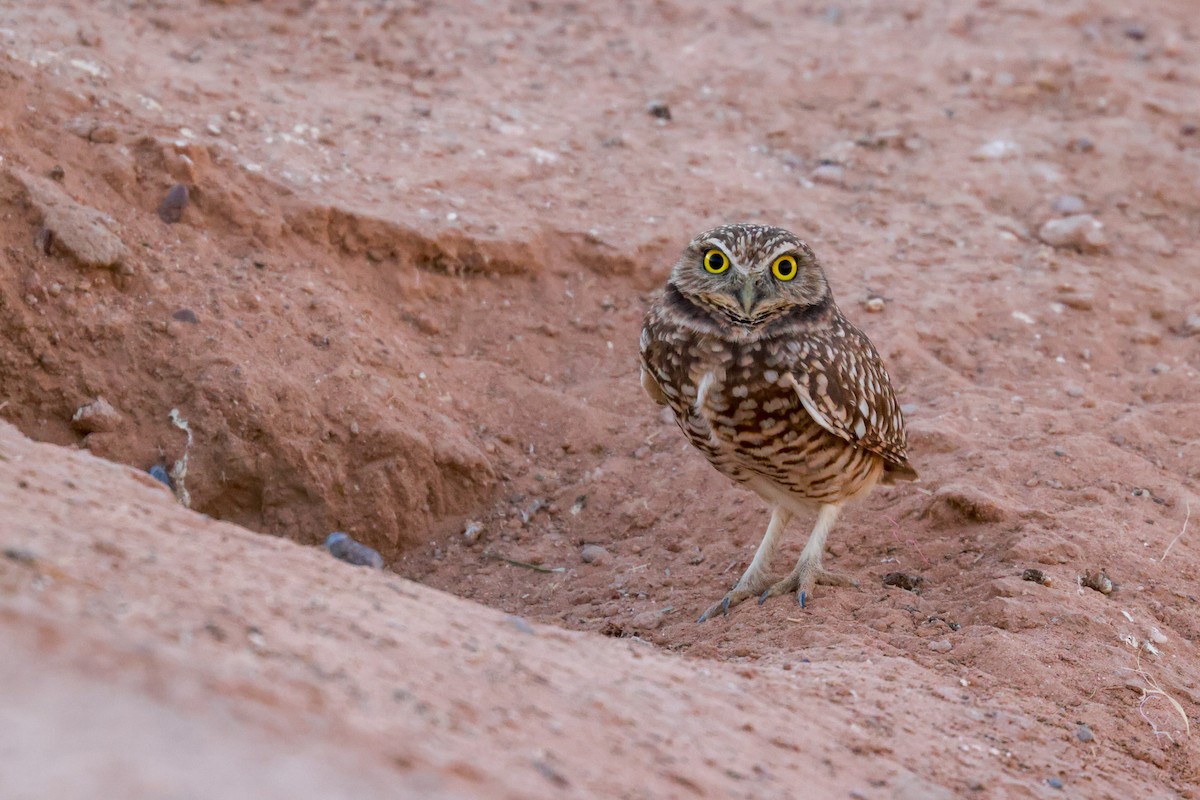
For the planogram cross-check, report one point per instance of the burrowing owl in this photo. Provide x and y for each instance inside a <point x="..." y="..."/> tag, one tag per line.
<point x="776" y="388"/>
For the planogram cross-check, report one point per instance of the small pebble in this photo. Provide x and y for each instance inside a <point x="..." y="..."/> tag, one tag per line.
<point x="1082" y="232"/>
<point x="20" y="555"/>
<point x="185" y="315"/>
<point x="1157" y="636"/>
<point x="1074" y="391"/>
<point x="593" y="554"/>
<point x="1098" y="581"/>
<point x="258" y="642"/>
<point x="1081" y="144"/>
<point x="341" y="546"/>
<point x="658" y="109"/>
<point x="647" y="621"/>
<point x="103" y="134"/>
<point x="941" y="646"/>
<point x="160" y="474"/>
<point x="1036" y="576"/>
<point x="520" y="624"/>
<point x="828" y="174"/>
<point x="1083" y="733"/>
<point x="1079" y="302"/>
<point x="170" y="210"/>
<point x="96" y="417"/>
<point x="874" y="304"/>
<point x="903" y="580"/>
<point x="1135" y="32"/>
<point x="1191" y="325"/>
<point x="1068" y="204"/>
<point x="1054" y="783"/>
<point x="472" y="532"/>
<point x="997" y="150"/>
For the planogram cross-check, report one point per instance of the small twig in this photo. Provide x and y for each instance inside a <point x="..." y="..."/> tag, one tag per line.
<point x="514" y="562"/>
<point x="910" y="542"/>
<point x="793" y="619"/>
<point x="1156" y="689"/>
<point x="1182" y="531"/>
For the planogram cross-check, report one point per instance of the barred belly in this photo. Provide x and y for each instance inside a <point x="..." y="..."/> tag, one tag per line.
<point x="759" y="434"/>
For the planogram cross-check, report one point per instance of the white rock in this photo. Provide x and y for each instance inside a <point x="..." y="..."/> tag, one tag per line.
<point x="593" y="554"/>
<point x="997" y="150"/>
<point x="1079" y="231"/>
<point x="829" y="174"/>
<point x="1068" y="204"/>
<point x="96" y="417"/>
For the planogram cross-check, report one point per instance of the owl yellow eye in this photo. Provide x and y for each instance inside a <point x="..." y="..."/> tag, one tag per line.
<point x="716" y="262"/>
<point x="784" y="268"/>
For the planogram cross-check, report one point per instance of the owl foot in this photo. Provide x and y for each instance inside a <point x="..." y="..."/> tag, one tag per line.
<point x="802" y="580"/>
<point x="722" y="606"/>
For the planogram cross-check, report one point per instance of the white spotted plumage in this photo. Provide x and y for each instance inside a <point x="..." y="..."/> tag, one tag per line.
<point x="774" y="386"/>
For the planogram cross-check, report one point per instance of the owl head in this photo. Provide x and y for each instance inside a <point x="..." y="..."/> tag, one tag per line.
<point x="750" y="275"/>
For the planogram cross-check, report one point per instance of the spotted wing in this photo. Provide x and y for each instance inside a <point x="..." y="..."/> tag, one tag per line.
<point x="844" y="386"/>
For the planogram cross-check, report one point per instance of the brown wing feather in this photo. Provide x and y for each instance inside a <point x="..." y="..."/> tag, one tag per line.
<point x="844" y="386"/>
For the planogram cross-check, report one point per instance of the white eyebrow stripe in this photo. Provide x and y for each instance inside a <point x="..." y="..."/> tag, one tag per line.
<point x="779" y="250"/>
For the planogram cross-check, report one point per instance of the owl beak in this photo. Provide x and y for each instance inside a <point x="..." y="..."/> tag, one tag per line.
<point x="747" y="296"/>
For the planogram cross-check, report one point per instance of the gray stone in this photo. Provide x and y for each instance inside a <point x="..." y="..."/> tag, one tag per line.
<point x="1082" y="232"/>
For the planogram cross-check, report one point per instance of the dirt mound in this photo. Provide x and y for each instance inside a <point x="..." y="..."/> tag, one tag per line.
<point x="403" y="300"/>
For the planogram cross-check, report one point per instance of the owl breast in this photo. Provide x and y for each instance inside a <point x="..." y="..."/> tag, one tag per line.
<point x="737" y="403"/>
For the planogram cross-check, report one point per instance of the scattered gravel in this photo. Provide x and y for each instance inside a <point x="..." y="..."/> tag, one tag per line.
<point x="1099" y="581"/>
<point x="997" y="150"/>
<point x="341" y="546"/>
<point x="903" y="580"/>
<point x="658" y="109"/>
<point x="1036" y="576"/>
<point x="520" y="624"/>
<point x="473" y="532"/>
<point x="593" y="554"/>
<point x="160" y="474"/>
<point x="1082" y="232"/>
<point x="96" y="417"/>
<point x="648" y="620"/>
<point x="81" y="233"/>
<point x="1068" y="204"/>
<point x="170" y="210"/>
<point x="828" y="174"/>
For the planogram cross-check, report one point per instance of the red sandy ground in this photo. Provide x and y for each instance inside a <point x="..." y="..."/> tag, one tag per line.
<point x="420" y="243"/>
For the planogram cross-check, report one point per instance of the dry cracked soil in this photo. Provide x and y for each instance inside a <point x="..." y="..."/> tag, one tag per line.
<point x="402" y="300"/>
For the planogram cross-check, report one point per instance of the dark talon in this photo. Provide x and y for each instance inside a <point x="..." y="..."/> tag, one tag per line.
<point x="725" y="607"/>
<point x="803" y="599"/>
<point x="762" y="598"/>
